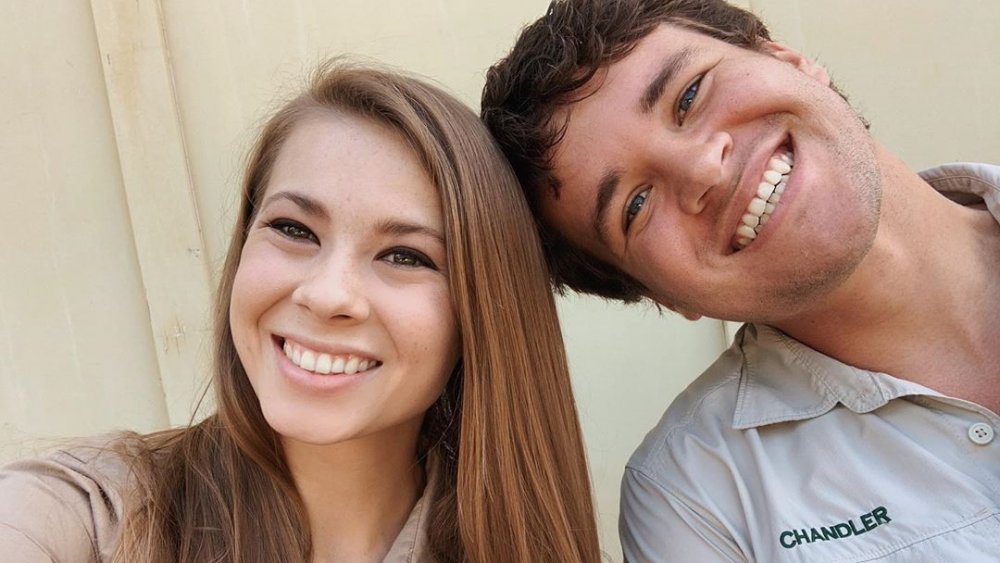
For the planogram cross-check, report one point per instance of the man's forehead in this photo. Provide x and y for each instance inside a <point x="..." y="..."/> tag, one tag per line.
<point x="597" y="136"/>
<point x="614" y="92"/>
<point x="573" y="158"/>
<point x="579" y="164"/>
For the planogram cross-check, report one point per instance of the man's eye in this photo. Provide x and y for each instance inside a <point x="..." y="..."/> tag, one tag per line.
<point x="408" y="259"/>
<point x="687" y="100"/>
<point x="635" y="206"/>
<point x="293" y="230"/>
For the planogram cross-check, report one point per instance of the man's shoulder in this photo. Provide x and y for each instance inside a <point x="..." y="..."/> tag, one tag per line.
<point x="763" y="377"/>
<point x="703" y="411"/>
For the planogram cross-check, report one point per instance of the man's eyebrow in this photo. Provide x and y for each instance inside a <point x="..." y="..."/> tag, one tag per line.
<point x="605" y="191"/>
<point x="308" y="205"/>
<point x="671" y="67"/>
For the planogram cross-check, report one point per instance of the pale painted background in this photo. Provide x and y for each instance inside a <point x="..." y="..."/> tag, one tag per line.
<point x="123" y="126"/>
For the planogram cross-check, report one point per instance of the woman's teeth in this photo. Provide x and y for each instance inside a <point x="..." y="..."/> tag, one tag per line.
<point x="772" y="185"/>
<point x="322" y="363"/>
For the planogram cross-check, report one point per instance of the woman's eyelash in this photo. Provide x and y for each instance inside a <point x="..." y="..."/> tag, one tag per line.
<point x="687" y="99"/>
<point x="403" y="257"/>
<point x="292" y="229"/>
<point x="634" y="206"/>
<point x="408" y="258"/>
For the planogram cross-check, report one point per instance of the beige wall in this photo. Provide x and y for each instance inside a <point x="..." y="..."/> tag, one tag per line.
<point x="124" y="124"/>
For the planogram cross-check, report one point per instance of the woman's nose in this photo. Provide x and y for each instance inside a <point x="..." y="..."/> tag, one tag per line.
<point x="334" y="289"/>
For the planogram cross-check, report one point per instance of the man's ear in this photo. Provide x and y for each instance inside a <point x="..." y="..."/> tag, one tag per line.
<point x="798" y="60"/>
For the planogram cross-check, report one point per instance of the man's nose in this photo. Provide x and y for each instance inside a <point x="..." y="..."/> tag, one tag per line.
<point x="334" y="288"/>
<point x="700" y="169"/>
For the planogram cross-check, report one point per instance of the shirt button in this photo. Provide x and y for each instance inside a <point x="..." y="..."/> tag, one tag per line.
<point x="980" y="433"/>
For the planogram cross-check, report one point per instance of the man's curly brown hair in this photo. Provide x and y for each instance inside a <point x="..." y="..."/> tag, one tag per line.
<point x="551" y="61"/>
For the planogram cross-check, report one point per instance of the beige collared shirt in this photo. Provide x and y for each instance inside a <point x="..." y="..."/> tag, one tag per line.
<point x="778" y="453"/>
<point x="66" y="509"/>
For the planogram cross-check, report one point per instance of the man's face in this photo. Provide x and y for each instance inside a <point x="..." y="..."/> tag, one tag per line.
<point x="662" y="160"/>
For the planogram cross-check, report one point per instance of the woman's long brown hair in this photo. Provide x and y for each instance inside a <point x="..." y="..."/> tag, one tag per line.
<point x="512" y="481"/>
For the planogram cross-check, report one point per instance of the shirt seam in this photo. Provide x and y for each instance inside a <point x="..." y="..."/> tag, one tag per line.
<point x="31" y="539"/>
<point x="689" y="417"/>
<point x="972" y="520"/>
<point x="419" y="525"/>
<point x="972" y="178"/>
<point x="675" y="496"/>
<point x="71" y="507"/>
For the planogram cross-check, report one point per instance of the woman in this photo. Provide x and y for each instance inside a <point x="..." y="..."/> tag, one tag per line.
<point x="389" y="376"/>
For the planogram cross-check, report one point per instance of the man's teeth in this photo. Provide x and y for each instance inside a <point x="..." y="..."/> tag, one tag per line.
<point x="772" y="185"/>
<point x="322" y="363"/>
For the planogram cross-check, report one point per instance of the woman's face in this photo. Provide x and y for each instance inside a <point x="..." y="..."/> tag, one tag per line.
<point x="340" y="311"/>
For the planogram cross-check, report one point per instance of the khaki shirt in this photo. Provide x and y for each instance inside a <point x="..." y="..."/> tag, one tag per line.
<point x="778" y="453"/>
<point x="66" y="509"/>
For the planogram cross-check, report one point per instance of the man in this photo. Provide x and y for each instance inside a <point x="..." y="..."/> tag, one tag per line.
<point x="672" y="152"/>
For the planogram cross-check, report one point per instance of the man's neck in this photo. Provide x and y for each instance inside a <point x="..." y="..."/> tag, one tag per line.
<point x="924" y="304"/>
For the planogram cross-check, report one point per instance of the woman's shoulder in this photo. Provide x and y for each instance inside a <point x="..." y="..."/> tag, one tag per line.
<point x="66" y="505"/>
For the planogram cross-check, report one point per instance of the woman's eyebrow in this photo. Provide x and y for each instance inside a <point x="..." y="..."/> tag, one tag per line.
<point x="399" y="228"/>
<point x="308" y="205"/>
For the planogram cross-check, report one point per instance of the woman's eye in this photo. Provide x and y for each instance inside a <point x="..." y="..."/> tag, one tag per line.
<point x="687" y="100"/>
<point x="293" y="230"/>
<point x="635" y="206"/>
<point x="408" y="259"/>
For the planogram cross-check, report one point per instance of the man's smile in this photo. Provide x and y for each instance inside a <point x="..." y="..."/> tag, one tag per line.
<point x="772" y="185"/>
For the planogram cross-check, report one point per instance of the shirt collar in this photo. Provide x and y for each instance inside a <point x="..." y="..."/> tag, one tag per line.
<point x="784" y="380"/>
<point x="410" y="545"/>
<point x="767" y="394"/>
<point x="967" y="183"/>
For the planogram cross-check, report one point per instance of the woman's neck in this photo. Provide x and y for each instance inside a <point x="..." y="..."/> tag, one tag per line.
<point x="357" y="495"/>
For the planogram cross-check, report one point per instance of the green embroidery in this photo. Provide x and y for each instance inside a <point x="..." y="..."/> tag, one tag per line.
<point x="867" y="522"/>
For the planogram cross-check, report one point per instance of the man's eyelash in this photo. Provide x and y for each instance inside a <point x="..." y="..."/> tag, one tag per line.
<point x="634" y="206"/>
<point x="687" y="99"/>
